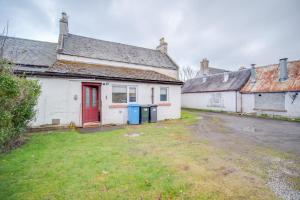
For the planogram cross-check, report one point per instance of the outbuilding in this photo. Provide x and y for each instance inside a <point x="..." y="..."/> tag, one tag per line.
<point x="273" y="90"/>
<point x="219" y="91"/>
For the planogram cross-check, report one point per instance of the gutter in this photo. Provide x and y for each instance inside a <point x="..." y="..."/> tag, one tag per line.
<point x="209" y="91"/>
<point x="73" y="75"/>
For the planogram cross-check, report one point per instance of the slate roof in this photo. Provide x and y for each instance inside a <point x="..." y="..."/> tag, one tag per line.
<point x="212" y="70"/>
<point x="267" y="79"/>
<point x="29" y="52"/>
<point x="40" y="58"/>
<point x="83" y="70"/>
<point x="215" y="83"/>
<point x="112" y="51"/>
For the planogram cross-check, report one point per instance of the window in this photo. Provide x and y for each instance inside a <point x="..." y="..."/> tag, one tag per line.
<point x="132" y="94"/>
<point x="216" y="100"/>
<point x="87" y="97"/>
<point x="94" y="96"/>
<point x="163" y="94"/>
<point x="119" y="94"/>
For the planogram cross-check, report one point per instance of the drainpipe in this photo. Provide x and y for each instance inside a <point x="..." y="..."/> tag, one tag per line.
<point x="241" y="103"/>
<point x="236" y="101"/>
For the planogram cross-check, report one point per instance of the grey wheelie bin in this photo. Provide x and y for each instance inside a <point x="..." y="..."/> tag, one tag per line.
<point x="153" y="113"/>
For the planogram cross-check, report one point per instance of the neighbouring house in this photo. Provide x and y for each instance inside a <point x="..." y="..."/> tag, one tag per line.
<point x="206" y="70"/>
<point x="215" y="92"/>
<point x="87" y="81"/>
<point x="273" y="90"/>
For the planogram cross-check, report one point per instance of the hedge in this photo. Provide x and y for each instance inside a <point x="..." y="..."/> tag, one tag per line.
<point x="18" y="97"/>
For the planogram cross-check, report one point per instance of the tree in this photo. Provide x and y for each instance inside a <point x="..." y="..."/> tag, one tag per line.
<point x="186" y="73"/>
<point x="18" y="97"/>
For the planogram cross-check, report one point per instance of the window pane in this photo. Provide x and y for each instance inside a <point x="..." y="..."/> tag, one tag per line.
<point x="119" y="94"/>
<point x="94" y="93"/>
<point x="163" y="94"/>
<point x="87" y="97"/>
<point x="132" y="94"/>
<point x="163" y="91"/>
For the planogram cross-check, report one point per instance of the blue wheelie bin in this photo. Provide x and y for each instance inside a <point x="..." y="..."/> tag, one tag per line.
<point x="133" y="114"/>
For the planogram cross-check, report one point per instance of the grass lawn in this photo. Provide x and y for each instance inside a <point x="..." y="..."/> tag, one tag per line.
<point x="167" y="161"/>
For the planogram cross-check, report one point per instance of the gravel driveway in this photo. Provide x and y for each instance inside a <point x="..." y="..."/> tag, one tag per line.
<point x="272" y="145"/>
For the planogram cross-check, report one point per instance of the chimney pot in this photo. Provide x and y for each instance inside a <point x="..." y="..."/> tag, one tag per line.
<point x="63" y="24"/>
<point x="253" y="73"/>
<point x="163" y="46"/>
<point x="283" y="71"/>
<point x="204" y="67"/>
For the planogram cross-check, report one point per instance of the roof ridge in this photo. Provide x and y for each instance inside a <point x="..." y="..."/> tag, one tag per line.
<point x="115" y="42"/>
<point x="269" y="65"/>
<point x="229" y="72"/>
<point x="28" y="39"/>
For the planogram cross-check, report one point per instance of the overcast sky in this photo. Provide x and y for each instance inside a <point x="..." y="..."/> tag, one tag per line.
<point x="229" y="33"/>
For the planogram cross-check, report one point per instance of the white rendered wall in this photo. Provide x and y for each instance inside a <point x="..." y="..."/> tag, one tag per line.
<point x="292" y="109"/>
<point x="169" y="72"/>
<point x="204" y="101"/>
<point x="119" y="115"/>
<point x="57" y="102"/>
<point x="61" y="99"/>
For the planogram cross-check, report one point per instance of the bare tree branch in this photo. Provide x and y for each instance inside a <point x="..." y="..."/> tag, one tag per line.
<point x="3" y="39"/>
<point x="186" y="73"/>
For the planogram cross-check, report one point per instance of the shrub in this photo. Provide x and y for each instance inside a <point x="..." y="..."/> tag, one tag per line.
<point x="18" y="97"/>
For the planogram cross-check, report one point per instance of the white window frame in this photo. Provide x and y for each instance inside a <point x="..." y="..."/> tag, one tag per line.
<point x="167" y="99"/>
<point x="136" y="93"/>
<point x="127" y="93"/>
<point x="112" y="93"/>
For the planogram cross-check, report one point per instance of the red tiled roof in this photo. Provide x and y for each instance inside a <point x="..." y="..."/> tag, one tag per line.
<point x="267" y="79"/>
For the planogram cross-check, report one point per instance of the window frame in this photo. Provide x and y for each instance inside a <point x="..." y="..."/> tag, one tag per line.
<point x="124" y="86"/>
<point x="136" y="94"/>
<point x="127" y="94"/>
<point x="167" y="94"/>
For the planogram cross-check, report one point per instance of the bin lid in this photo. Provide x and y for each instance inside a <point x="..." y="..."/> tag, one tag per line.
<point x="145" y="106"/>
<point x="133" y="105"/>
<point x="152" y="105"/>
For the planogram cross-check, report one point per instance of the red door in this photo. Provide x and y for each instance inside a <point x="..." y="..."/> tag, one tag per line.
<point x="90" y="103"/>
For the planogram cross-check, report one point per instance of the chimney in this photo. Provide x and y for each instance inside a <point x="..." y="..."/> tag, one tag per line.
<point x="283" y="71"/>
<point x="63" y="31"/>
<point x="204" y="67"/>
<point x="163" y="46"/>
<point x="63" y="24"/>
<point x="253" y="73"/>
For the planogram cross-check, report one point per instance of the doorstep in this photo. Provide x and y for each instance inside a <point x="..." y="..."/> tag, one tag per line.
<point x="91" y="125"/>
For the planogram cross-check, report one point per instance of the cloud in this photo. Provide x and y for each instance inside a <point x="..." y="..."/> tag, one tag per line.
<point x="229" y="33"/>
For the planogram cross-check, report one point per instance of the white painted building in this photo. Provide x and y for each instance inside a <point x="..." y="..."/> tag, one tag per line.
<point x="218" y="92"/>
<point x="90" y="81"/>
<point x="273" y="90"/>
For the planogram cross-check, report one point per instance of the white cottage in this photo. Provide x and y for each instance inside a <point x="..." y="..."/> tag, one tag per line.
<point x="218" y="92"/>
<point x="87" y="81"/>
<point x="273" y="90"/>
